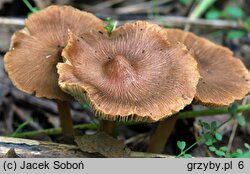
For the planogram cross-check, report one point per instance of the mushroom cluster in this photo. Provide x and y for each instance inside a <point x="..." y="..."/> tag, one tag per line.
<point x="141" y="71"/>
<point x="146" y="73"/>
<point x="136" y="73"/>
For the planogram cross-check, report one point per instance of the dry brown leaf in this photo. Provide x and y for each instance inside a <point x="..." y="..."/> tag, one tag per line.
<point x="103" y="144"/>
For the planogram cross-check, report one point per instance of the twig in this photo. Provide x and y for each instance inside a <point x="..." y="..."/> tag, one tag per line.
<point x="102" y="5"/>
<point x="235" y="126"/>
<point x="34" y="102"/>
<point x="134" y="154"/>
<point x="181" y="115"/>
<point x="182" y="21"/>
<point x="42" y="4"/>
<point x="54" y="131"/>
<point x="57" y="131"/>
<point x="161" y="20"/>
<point x="12" y="21"/>
<point x="230" y="142"/>
<point x="137" y="7"/>
<point x="136" y="138"/>
<point x="210" y="112"/>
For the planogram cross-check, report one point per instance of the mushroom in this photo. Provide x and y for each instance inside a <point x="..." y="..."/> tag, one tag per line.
<point x="36" y="50"/>
<point x="134" y="74"/>
<point x="224" y="78"/>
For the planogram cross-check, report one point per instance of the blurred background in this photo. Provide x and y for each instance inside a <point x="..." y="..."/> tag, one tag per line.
<point x="226" y="22"/>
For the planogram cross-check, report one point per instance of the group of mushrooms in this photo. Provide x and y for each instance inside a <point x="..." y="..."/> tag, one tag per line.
<point x="140" y="72"/>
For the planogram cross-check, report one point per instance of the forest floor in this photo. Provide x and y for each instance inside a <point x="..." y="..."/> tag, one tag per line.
<point x="17" y="107"/>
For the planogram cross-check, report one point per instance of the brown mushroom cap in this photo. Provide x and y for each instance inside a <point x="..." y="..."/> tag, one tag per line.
<point x="36" y="50"/>
<point x="134" y="74"/>
<point x="224" y="78"/>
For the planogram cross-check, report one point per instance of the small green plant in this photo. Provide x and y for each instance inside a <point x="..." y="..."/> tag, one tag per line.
<point x="110" y="26"/>
<point x="235" y="115"/>
<point x="210" y="136"/>
<point x="185" y="2"/>
<point x="21" y="127"/>
<point x="232" y="12"/>
<point x="31" y="8"/>
<point x="248" y="23"/>
<point x="181" y="145"/>
<point x="156" y="11"/>
<point x="229" y="12"/>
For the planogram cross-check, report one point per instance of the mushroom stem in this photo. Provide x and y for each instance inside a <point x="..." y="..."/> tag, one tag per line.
<point x="161" y="135"/>
<point x="108" y="127"/>
<point x="66" y="120"/>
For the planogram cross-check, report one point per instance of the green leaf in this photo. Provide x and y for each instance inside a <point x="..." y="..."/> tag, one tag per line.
<point x="235" y="34"/>
<point x="218" y="136"/>
<point x="245" y="155"/>
<point x="213" y="126"/>
<point x="223" y="148"/>
<point x="248" y="23"/>
<point x="187" y="156"/>
<point x="213" y="14"/>
<point x="228" y="155"/>
<point x="234" y="12"/>
<point x="247" y="145"/>
<point x="220" y="153"/>
<point x="212" y="148"/>
<point x="235" y="155"/>
<point x="205" y="125"/>
<point x="185" y="2"/>
<point x="241" y="120"/>
<point x="209" y="141"/>
<point x="181" y="145"/>
<point x="232" y="109"/>
<point x="239" y="151"/>
<point x="110" y="26"/>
